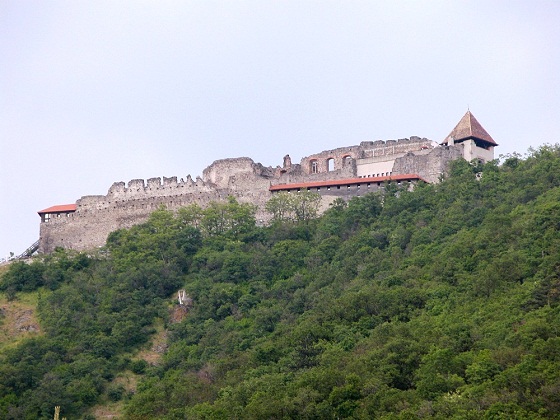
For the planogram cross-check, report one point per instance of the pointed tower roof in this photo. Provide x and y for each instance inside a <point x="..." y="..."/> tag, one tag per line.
<point x="469" y="128"/>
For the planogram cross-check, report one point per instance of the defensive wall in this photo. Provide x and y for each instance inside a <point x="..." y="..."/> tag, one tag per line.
<point x="344" y="172"/>
<point x="129" y="204"/>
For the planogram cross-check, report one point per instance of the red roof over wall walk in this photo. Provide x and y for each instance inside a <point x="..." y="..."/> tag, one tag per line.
<point x="350" y="181"/>
<point x="63" y="208"/>
<point x="69" y="208"/>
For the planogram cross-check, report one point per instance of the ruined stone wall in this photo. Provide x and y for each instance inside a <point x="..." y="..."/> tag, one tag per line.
<point x="370" y="158"/>
<point x="340" y="159"/>
<point x="126" y="205"/>
<point x="96" y="217"/>
<point x="378" y="157"/>
<point x="430" y="165"/>
<point x="395" y="147"/>
<point x="297" y="174"/>
<point x="246" y="180"/>
<point x="223" y="173"/>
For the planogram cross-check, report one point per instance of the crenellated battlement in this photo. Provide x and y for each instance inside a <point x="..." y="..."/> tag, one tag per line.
<point x="127" y="204"/>
<point x="388" y="143"/>
<point x="87" y="224"/>
<point x="155" y="187"/>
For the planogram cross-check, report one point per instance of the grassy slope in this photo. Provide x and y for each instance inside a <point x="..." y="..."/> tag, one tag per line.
<point x="18" y="319"/>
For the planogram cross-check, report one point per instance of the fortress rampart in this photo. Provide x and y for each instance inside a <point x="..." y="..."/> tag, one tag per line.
<point x="343" y="172"/>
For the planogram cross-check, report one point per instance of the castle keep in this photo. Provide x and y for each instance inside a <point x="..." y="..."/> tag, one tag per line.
<point x="344" y="172"/>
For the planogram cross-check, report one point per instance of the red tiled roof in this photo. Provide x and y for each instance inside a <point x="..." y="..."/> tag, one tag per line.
<point x="467" y="128"/>
<point x="350" y="181"/>
<point x="63" y="208"/>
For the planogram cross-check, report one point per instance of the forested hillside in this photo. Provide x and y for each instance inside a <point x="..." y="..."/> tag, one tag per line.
<point x="441" y="302"/>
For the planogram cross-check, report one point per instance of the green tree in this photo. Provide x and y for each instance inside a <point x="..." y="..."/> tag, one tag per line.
<point x="293" y="207"/>
<point x="230" y="219"/>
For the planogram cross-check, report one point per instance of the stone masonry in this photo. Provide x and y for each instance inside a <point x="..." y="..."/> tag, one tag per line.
<point x="92" y="218"/>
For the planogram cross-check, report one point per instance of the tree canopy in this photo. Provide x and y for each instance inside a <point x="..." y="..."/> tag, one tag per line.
<point x="437" y="302"/>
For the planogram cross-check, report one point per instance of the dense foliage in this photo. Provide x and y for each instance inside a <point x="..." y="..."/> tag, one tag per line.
<point x="439" y="302"/>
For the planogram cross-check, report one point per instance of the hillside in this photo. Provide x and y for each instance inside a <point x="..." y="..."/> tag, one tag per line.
<point x="18" y="319"/>
<point x="441" y="302"/>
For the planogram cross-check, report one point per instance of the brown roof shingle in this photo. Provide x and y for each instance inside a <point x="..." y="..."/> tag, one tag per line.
<point x="467" y="128"/>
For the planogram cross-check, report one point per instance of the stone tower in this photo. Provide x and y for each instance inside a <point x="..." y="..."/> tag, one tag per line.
<point x="477" y="143"/>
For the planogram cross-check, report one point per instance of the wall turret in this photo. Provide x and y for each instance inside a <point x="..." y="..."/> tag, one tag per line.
<point x="475" y="141"/>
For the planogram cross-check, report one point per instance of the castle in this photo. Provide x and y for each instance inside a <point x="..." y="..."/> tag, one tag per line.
<point x="344" y="172"/>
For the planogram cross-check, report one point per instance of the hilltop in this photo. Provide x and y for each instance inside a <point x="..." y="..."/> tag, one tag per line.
<point x="438" y="302"/>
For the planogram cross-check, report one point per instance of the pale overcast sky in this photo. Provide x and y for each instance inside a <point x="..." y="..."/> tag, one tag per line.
<point x="93" y="92"/>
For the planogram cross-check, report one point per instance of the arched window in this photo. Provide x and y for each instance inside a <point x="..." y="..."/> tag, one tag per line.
<point x="346" y="160"/>
<point x="313" y="167"/>
<point x="330" y="164"/>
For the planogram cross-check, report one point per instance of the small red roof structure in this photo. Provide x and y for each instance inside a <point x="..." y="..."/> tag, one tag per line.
<point x="350" y="181"/>
<point x="63" y="208"/>
<point x="469" y="128"/>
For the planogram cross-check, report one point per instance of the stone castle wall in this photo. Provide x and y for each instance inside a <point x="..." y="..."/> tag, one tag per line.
<point x="430" y="166"/>
<point x="126" y="205"/>
<point x="393" y="147"/>
<point x="97" y="216"/>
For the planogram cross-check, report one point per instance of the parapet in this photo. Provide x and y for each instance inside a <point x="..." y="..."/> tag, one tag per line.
<point x="386" y="143"/>
<point x="117" y="187"/>
<point x="90" y="199"/>
<point x="154" y="183"/>
<point x="136" y="183"/>
<point x="221" y="172"/>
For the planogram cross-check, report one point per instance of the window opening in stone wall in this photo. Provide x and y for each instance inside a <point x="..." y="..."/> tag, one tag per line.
<point x="330" y="164"/>
<point x="346" y="160"/>
<point x="313" y="167"/>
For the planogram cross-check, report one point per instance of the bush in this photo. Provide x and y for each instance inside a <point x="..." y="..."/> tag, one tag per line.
<point x="138" y="366"/>
<point x="116" y="392"/>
